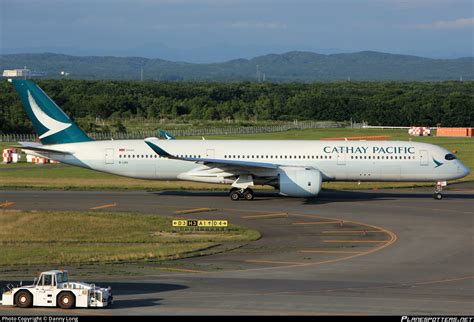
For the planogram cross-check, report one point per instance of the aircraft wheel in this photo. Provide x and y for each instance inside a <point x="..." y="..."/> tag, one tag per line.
<point x="24" y="299"/>
<point x="234" y="194"/>
<point x="437" y="196"/>
<point x="248" y="194"/>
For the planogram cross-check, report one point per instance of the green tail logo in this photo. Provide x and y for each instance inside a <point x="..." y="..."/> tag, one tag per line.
<point x="52" y="125"/>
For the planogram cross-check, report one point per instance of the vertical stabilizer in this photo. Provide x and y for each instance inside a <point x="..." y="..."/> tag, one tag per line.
<point x="52" y="125"/>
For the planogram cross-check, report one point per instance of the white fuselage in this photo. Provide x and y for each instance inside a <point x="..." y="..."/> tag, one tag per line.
<point x="336" y="160"/>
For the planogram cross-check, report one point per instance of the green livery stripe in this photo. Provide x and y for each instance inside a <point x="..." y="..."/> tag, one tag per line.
<point x="158" y="150"/>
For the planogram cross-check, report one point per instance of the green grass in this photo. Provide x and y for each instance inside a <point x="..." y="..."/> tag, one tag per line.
<point x="45" y="237"/>
<point x="66" y="177"/>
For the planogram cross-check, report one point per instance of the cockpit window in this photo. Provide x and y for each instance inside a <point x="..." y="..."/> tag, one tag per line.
<point x="450" y="156"/>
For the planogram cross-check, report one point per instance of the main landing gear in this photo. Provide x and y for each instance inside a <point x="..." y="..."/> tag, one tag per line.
<point x="438" y="189"/>
<point x="236" y="194"/>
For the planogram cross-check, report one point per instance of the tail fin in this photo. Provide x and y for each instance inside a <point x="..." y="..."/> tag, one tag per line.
<point x="51" y="124"/>
<point x="166" y="135"/>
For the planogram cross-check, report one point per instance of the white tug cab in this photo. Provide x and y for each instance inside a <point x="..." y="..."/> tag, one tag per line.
<point x="53" y="288"/>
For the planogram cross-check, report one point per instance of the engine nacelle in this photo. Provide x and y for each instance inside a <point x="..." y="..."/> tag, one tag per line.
<point x="299" y="182"/>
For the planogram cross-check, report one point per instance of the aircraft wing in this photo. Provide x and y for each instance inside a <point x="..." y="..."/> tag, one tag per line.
<point x="240" y="164"/>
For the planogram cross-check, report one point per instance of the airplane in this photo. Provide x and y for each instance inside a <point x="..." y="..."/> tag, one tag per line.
<point x="296" y="168"/>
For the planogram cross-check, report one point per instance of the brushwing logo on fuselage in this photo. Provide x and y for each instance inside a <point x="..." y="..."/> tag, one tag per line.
<point x="438" y="164"/>
<point x="53" y="126"/>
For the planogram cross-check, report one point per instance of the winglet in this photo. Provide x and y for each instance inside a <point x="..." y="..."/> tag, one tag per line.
<point x="158" y="150"/>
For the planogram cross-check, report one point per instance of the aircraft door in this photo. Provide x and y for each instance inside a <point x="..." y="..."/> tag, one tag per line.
<point x="210" y="153"/>
<point x="109" y="156"/>
<point x="341" y="159"/>
<point x="424" y="157"/>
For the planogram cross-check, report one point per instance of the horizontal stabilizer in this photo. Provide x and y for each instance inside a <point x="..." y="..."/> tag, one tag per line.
<point x="38" y="148"/>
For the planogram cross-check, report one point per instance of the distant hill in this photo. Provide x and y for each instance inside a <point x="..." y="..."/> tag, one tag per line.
<point x="293" y="66"/>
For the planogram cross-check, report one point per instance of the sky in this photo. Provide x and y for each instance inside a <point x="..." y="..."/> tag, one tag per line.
<point x="218" y="30"/>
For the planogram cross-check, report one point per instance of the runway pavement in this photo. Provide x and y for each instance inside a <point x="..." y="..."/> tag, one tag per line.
<point x="386" y="252"/>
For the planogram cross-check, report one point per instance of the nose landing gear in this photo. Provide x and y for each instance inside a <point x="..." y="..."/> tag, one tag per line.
<point x="438" y="189"/>
<point x="237" y="194"/>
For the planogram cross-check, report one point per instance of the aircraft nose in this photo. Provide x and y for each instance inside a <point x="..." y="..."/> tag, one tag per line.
<point x="463" y="169"/>
<point x="466" y="171"/>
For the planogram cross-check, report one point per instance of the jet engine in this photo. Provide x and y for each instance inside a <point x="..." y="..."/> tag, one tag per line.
<point x="299" y="182"/>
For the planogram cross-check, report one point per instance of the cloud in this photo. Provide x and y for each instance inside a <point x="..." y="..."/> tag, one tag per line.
<point x="448" y="24"/>
<point x="258" y="25"/>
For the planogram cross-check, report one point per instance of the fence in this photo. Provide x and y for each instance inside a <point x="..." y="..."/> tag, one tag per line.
<point x="197" y="131"/>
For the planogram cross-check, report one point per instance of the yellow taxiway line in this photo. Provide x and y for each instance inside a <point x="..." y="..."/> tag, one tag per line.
<point x="110" y="205"/>
<point x="181" y="270"/>
<point x="317" y="223"/>
<point x="6" y="204"/>
<point x="350" y="231"/>
<point x="330" y="251"/>
<point x="189" y="211"/>
<point x="273" y="262"/>
<point x="283" y="214"/>
<point x="356" y="241"/>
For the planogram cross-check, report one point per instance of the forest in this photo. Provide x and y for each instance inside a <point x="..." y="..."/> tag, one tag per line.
<point x="448" y="103"/>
